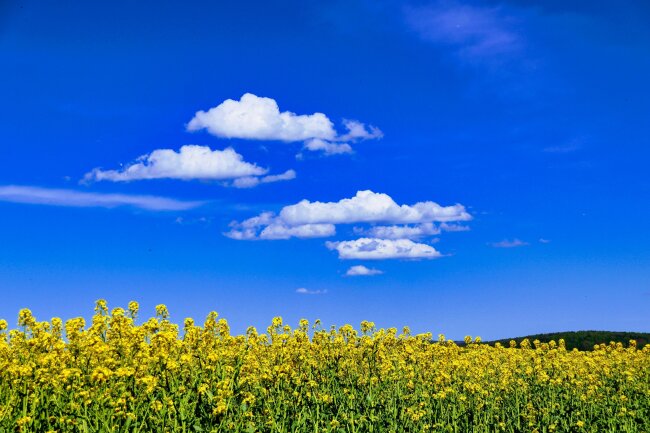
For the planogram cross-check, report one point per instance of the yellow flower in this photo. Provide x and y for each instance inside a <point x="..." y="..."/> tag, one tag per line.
<point x="155" y="377"/>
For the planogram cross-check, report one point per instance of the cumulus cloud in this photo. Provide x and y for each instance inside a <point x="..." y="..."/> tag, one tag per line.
<point x="364" y="207"/>
<point x="509" y="243"/>
<point x="360" y="270"/>
<point x="259" y="118"/>
<point x="381" y="249"/>
<point x="266" y="226"/>
<point x="304" y="291"/>
<point x="72" y="198"/>
<point x="191" y="162"/>
<point x="368" y="206"/>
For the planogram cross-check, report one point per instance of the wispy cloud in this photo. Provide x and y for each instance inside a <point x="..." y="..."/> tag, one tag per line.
<point x="251" y="181"/>
<point x="509" y="243"/>
<point x="74" y="198"/>
<point x="204" y="221"/>
<point x="304" y="291"/>
<point x="327" y="147"/>
<point x="475" y="32"/>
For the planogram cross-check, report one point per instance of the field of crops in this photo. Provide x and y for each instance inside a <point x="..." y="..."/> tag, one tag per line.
<point x="122" y="374"/>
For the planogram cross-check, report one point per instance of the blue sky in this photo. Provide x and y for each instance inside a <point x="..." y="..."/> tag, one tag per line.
<point x="155" y="152"/>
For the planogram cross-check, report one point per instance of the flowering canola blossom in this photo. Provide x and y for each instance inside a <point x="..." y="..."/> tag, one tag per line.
<point x="117" y="375"/>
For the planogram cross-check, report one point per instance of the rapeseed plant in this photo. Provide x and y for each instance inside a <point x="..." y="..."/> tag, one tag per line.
<point x="120" y="376"/>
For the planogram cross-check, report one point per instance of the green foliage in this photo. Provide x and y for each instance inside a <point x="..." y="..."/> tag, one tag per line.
<point x="117" y="374"/>
<point x="583" y="340"/>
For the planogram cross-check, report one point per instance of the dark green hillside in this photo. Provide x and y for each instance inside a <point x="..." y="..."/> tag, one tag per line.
<point x="584" y="340"/>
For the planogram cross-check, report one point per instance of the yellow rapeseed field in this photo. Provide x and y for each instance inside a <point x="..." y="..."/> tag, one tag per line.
<point x="115" y="375"/>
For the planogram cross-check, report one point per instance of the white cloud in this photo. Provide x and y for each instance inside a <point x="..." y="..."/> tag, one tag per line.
<point x="417" y="231"/>
<point x="358" y="131"/>
<point x="304" y="291"/>
<point x="72" y="198"/>
<point x="279" y="231"/>
<point x="544" y="241"/>
<point x="404" y="231"/>
<point x="246" y="182"/>
<point x="287" y="175"/>
<point x="274" y="229"/>
<point x="380" y="249"/>
<point x="259" y="118"/>
<point x="308" y="219"/>
<point x="368" y="206"/>
<point x="509" y="243"/>
<point x="361" y="270"/>
<point x="243" y="234"/>
<point x="251" y="181"/>
<point x="191" y="162"/>
<point x="327" y="147"/>
<point x="364" y="207"/>
<point x="446" y="227"/>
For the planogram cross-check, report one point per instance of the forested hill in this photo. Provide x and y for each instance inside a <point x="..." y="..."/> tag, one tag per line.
<point x="584" y="340"/>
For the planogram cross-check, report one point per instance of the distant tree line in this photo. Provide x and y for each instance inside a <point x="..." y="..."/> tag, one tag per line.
<point x="583" y="340"/>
